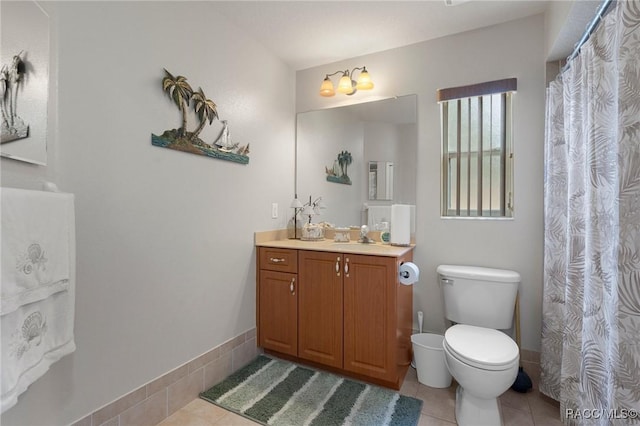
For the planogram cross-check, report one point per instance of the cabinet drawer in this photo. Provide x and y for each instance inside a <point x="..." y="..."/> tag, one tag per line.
<point x="282" y="260"/>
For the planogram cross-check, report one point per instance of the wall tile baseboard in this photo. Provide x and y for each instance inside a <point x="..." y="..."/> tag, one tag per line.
<point x="160" y="398"/>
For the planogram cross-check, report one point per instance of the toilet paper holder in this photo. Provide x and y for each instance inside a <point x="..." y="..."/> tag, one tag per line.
<point x="408" y="274"/>
<point x="403" y="274"/>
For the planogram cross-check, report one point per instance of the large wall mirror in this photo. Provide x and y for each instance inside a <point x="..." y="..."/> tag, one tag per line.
<point x="381" y="138"/>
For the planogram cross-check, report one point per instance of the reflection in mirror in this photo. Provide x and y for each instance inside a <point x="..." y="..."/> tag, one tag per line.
<point x="381" y="132"/>
<point x="380" y="180"/>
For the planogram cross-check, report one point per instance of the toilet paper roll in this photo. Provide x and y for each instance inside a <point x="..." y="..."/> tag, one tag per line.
<point x="409" y="273"/>
<point x="400" y="224"/>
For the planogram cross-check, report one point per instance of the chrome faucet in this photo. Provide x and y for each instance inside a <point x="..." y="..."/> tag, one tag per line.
<point x="364" y="230"/>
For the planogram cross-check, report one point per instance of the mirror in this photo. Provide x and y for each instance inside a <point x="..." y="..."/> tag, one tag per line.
<point x="380" y="180"/>
<point x="380" y="134"/>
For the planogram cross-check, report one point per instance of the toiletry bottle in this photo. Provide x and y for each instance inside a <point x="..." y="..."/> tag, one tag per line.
<point x="384" y="234"/>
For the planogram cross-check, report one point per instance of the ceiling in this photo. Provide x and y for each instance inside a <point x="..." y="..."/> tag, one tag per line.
<point x="305" y="34"/>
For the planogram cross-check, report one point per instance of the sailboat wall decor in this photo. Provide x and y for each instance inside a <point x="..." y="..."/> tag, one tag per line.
<point x="338" y="173"/>
<point x="181" y="93"/>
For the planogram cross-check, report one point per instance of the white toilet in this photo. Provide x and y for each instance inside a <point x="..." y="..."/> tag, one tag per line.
<point x="483" y="360"/>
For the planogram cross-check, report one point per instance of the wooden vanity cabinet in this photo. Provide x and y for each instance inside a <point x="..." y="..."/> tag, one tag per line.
<point x="277" y="300"/>
<point x="352" y="314"/>
<point x="320" y="307"/>
<point x="370" y="316"/>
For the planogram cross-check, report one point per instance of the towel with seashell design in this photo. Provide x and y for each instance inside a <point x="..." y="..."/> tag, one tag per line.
<point x="37" y="291"/>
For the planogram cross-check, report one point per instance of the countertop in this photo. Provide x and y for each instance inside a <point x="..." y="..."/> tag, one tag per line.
<point x="353" y="247"/>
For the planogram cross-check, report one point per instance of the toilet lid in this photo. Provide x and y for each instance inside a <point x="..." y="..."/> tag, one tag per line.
<point x="481" y="347"/>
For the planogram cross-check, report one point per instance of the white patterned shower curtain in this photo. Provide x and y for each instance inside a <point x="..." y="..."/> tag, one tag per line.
<point x="590" y="358"/>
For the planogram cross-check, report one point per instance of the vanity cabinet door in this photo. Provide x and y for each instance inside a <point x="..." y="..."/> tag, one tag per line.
<point x="370" y="312"/>
<point x="278" y="314"/>
<point x="320" y="307"/>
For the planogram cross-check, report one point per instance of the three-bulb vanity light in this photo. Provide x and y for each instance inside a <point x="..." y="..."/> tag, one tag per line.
<point x="347" y="85"/>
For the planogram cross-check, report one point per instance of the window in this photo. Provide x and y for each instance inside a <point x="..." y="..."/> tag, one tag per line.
<point x="477" y="158"/>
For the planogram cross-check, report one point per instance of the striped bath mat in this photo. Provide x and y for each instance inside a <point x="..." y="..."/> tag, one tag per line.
<point x="275" y="392"/>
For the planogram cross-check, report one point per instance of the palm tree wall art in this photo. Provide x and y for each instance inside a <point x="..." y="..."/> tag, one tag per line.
<point x="183" y="96"/>
<point x="340" y="176"/>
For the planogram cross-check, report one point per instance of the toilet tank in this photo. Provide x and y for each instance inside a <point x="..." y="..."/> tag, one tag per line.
<point x="483" y="297"/>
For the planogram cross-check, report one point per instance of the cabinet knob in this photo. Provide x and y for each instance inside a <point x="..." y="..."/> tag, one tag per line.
<point x="338" y="265"/>
<point x="292" y="287"/>
<point x="276" y="259"/>
<point x="346" y="266"/>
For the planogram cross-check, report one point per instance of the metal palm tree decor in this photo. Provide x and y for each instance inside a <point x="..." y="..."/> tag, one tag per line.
<point x="338" y="173"/>
<point x="183" y="96"/>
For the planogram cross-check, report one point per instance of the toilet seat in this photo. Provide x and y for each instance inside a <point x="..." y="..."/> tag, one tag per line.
<point x="481" y="347"/>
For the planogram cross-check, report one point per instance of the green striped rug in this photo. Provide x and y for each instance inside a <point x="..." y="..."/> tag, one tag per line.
<point x="275" y="392"/>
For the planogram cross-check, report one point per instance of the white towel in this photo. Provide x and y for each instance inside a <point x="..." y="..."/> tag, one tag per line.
<point x="34" y="336"/>
<point x="35" y="245"/>
<point x="37" y="288"/>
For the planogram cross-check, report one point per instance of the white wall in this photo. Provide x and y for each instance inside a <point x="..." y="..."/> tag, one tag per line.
<point x="165" y="256"/>
<point x="565" y="23"/>
<point x="514" y="49"/>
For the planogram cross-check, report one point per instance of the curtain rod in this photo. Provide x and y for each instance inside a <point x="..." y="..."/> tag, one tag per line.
<point x="590" y="29"/>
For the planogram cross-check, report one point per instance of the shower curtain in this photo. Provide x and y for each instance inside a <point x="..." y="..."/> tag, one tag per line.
<point x="590" y="358"/>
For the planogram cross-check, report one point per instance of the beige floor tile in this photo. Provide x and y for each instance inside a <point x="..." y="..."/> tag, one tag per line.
<point x="515" y="417"/>
<point x="184" y="418"/>
<point x="232" y="419"/>
<point x="409" y="388"/>
<point x="513" y="399"/>
<point x="545" y="410"/>
<point x="438" y="410"/>
<point x="206" y="410"/>
<point x="438" y="403"/>
<point x="411" y="376"/>
<point x="433" y="421"/>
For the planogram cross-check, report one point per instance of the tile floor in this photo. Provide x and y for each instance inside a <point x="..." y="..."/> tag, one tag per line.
<point x="530" y="409"/>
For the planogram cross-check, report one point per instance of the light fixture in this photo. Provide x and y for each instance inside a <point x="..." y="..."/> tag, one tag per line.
<point x="347" y="85"/>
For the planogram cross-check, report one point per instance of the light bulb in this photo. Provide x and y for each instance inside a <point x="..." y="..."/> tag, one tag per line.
<point x="364" y="81"/>
<point x="327" y="88"/>
<point x="344" y="85"/>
